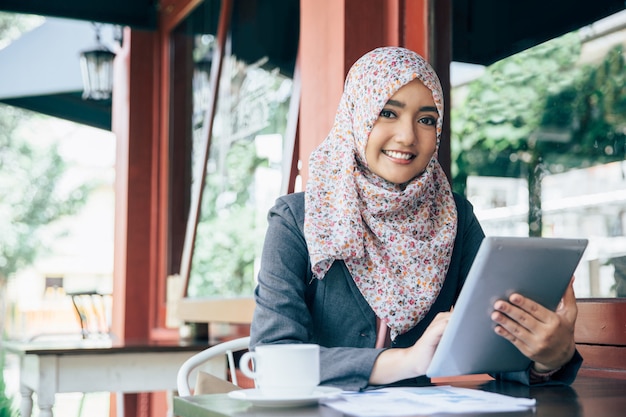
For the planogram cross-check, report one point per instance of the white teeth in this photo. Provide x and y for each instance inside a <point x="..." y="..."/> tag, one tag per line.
<point x="399" y="155"/>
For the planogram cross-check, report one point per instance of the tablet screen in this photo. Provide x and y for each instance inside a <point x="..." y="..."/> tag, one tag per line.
<point x="538" y="268"/>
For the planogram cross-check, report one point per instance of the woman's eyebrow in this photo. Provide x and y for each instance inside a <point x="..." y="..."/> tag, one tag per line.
<point x="401" y="105"/>
<point x="395" y="103"/>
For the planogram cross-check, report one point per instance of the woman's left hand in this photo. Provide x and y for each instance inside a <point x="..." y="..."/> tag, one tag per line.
<point x="544" y="336"/>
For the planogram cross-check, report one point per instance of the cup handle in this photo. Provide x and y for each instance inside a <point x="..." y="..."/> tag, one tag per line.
<point x="244" y="364"/>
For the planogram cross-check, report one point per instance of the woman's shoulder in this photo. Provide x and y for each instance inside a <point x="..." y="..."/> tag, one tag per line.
<point x="463" y="205"/>
<point x="290" y="205"/>
<point x="294" y="202"/>
<point x="468" y="226"/>
<point x="292" y="199"/>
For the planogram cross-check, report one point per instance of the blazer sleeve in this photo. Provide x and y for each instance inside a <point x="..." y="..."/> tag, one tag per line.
<point x="564" y="376"/>
<point x="282" y="314"/>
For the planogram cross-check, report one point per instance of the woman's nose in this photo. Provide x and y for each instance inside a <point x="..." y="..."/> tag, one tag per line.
<point x="406" y="134"/>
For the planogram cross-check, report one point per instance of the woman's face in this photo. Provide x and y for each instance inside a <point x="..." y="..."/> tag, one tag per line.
<point x="404" y="138"/>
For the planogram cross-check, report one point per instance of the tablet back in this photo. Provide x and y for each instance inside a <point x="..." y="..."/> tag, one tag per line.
<point x="538" y="268"/>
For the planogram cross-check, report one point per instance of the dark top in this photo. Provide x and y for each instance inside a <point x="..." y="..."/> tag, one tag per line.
<point x="293" y="307"/>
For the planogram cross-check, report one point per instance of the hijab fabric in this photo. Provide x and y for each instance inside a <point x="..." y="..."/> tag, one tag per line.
<point x="396" y="240"/>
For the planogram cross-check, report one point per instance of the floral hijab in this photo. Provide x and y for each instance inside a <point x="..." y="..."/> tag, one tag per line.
<point x="396" y="240"/>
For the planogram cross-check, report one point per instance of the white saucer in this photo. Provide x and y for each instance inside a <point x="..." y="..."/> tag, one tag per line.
<point x="258" y="399"/>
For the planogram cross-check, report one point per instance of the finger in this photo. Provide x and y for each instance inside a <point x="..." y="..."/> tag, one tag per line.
<point x="443" y="317"/>
<point x="568" y="296"/>
<point x="528" y="306"/>
<point x="512" y="331"/>
<point x="517" y="326"/>
<point x="509" y="327"/>
<point x="516" y="315"/>
<point x="433" y="333"/>
<point x="568" y="309"/>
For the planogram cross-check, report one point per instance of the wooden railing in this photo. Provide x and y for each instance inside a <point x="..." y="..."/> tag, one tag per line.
<point x="601" y="337"/>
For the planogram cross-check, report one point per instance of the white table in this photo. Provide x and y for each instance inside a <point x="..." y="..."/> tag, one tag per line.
<point x="95" y="366"/>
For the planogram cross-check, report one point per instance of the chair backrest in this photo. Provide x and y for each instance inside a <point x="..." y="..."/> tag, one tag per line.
<point x="219" y="351"/>
<point x="93" y="310"/>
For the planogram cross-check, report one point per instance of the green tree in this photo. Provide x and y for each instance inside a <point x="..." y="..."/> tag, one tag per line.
<point x="13" y="25"/>
<point x="504" y="107"/>
<point x="7" y="408"/>
<point x="30" y="197"/>
<point x="230" y="230"/>
<point x="228" y="235"/>
<point x="538" y="112"/>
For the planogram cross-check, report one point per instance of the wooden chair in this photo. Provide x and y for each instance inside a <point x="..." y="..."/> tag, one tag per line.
<point x="219" y="360"/>
<point x="93" y="313"/>
<point x="93" y="309"/>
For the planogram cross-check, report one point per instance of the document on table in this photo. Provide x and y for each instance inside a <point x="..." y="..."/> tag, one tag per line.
<point x="409" y="401"/>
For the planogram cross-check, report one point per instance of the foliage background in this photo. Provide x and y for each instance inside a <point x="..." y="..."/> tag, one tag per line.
<point x="232" y="224"/>
<point x="30" y="196"/>
<point x="497" y="130"/>
<point x="539" y="112"/>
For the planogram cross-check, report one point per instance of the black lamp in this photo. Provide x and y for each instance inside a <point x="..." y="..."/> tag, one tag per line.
<point x="97" y="70"/>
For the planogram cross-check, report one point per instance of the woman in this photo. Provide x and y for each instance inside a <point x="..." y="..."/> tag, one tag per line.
<point x="370" y="260"/>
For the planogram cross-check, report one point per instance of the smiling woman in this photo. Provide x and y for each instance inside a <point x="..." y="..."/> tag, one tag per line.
<point x="404" y="138"/>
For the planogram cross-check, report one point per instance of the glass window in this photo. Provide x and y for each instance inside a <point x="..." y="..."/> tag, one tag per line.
<point x="248" y="139"/>
<point x="539" y="147"/>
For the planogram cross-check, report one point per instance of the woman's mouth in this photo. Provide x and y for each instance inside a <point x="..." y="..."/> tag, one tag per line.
<point x="405" y="156"/>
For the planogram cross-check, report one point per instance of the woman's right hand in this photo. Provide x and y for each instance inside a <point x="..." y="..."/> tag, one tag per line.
<point x="401" y="363"/>
<point x="423" y="350"/>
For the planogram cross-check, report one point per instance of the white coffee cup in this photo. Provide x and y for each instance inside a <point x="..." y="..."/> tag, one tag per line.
<point x="283" y="370"/>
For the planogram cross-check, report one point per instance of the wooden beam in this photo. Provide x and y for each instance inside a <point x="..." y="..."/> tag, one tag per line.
<point x="219" y="310"/>
<point x="321" y="49"/>
<point x="601" y="322"/>
<point x="333" y="35"/>
<point x="206" y="135"/>
<point x="606" y="358"/>
<point x="601" y="337"/>
<point x="172" y="12"/>
<point x="415" y="30"/>
<point x="137" y="234"/>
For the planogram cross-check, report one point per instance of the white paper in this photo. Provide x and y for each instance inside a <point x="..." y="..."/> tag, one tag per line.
<point x="409" y="401"/>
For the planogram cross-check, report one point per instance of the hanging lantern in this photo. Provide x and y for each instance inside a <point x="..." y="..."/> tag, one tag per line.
<point x="97" y="71"/>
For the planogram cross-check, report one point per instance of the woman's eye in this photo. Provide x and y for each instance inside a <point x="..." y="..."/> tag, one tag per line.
<point x="428" y="120"/>
<point x="387" y="114"/>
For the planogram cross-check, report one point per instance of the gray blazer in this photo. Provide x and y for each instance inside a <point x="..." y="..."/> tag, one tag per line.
<point x="293" y="307"/>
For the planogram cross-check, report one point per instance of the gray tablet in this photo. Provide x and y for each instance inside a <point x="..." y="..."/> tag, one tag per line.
<point x="538" y="268"/>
